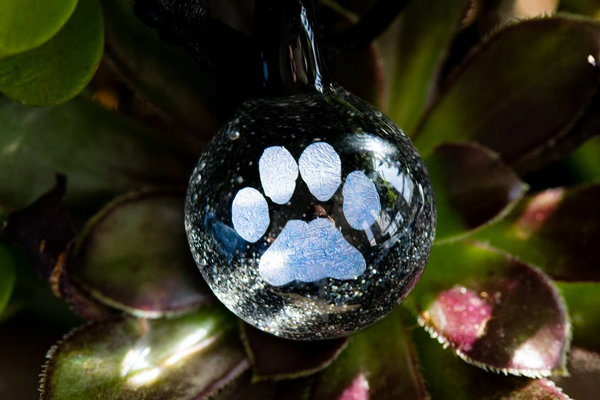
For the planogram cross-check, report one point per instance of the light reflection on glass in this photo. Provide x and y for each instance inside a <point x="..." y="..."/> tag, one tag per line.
<point x="311" y="40"/>
<point x="400" y="181"/>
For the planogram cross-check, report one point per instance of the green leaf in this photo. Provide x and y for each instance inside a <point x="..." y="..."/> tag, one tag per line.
<point x="582" y="303"/>
<point x="472" y="187"/>
<point x="134" y="256"/>
<point x="449" y="378"/>
<point x="164" y="74"/>
<point x="585" y="163"/>
<point x="493" y="311"/>
<point x="7" y="276"/>
<point x="26" y="24"/>
<point x="587" y="7"/>
<point x="427" y="29"/>
<point x="59" y="69"/>
<point x="379" y="363"/>
<point x="522" y="89"/>
<point x="276" y="358"/>
<point x="584" y="370"/>
<point x="556" y="230"/>
<point x="101" y="153"/>
<point x="184" y="358"/>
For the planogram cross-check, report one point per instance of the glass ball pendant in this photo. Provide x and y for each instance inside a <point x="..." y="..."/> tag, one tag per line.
<point x="310" y="215"/>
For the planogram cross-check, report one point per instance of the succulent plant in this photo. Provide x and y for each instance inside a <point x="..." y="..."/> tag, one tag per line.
<point x="102" y="119"/>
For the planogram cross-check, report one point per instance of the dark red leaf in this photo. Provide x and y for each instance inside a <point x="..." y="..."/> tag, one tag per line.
<point x="493" y="311"/>
<point x="522" y="89"/>
<point x="449" y="378"/>
<point x="134" y="256"/>
<point x="472" y="186"/>
<point x="44" y="232"/>
<point x="276" y="358"/>
<point x="556" y="230"/>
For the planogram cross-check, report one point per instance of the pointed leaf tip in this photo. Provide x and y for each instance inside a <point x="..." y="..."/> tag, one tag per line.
<point x="556" y="230"/>
<point x="473" y="187"/>
<point x="44" y="232"/>
<point x="494" y="312"/>
<point x="522" y="89"/>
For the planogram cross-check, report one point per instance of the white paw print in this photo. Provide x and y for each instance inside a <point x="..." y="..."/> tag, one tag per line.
<point x="303" y="251"/>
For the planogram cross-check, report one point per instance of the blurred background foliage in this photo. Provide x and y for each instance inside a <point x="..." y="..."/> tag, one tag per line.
<point x="501" y="98"/>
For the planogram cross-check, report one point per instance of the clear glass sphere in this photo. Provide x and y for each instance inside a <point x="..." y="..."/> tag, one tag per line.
<point x="311" y="216"/>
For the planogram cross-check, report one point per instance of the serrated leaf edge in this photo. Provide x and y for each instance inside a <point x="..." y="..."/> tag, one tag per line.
<point x="535" y="374"/>
<point x="280" y="377"/>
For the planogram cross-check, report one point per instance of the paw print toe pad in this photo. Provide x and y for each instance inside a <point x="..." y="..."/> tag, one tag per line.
<point x="362" y="204"/>
<point x="278" y="174"/>
<point x="321" y="169"/>
<point x="250" y="214"/>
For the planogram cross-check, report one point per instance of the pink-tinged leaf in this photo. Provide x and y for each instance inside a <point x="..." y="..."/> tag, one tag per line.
<point x="522" y="89"/>
<point x="190" y="357"/>
<point x="583" y="382"/>
<point x="493" y="311"/>
<point x="449" y="378"/>
<point x="582" y="303"/>
<point x="379" y="364"/>
<point x="276" y="358"/>
<point x="134" y="256"/>
<point x="472" y="186"/>
<point x="556" y="230"/>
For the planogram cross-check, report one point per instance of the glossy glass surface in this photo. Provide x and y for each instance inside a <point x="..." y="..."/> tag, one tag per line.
<point x="310" y="216"/>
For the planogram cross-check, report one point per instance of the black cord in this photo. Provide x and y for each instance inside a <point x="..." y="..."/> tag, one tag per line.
<point x="226" y="54"/>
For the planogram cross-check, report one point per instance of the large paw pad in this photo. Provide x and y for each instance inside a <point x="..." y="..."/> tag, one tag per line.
<point x="306" y="252"/>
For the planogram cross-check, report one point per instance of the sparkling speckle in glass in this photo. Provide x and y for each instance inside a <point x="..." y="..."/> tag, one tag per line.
<point x="316" y="221"/>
